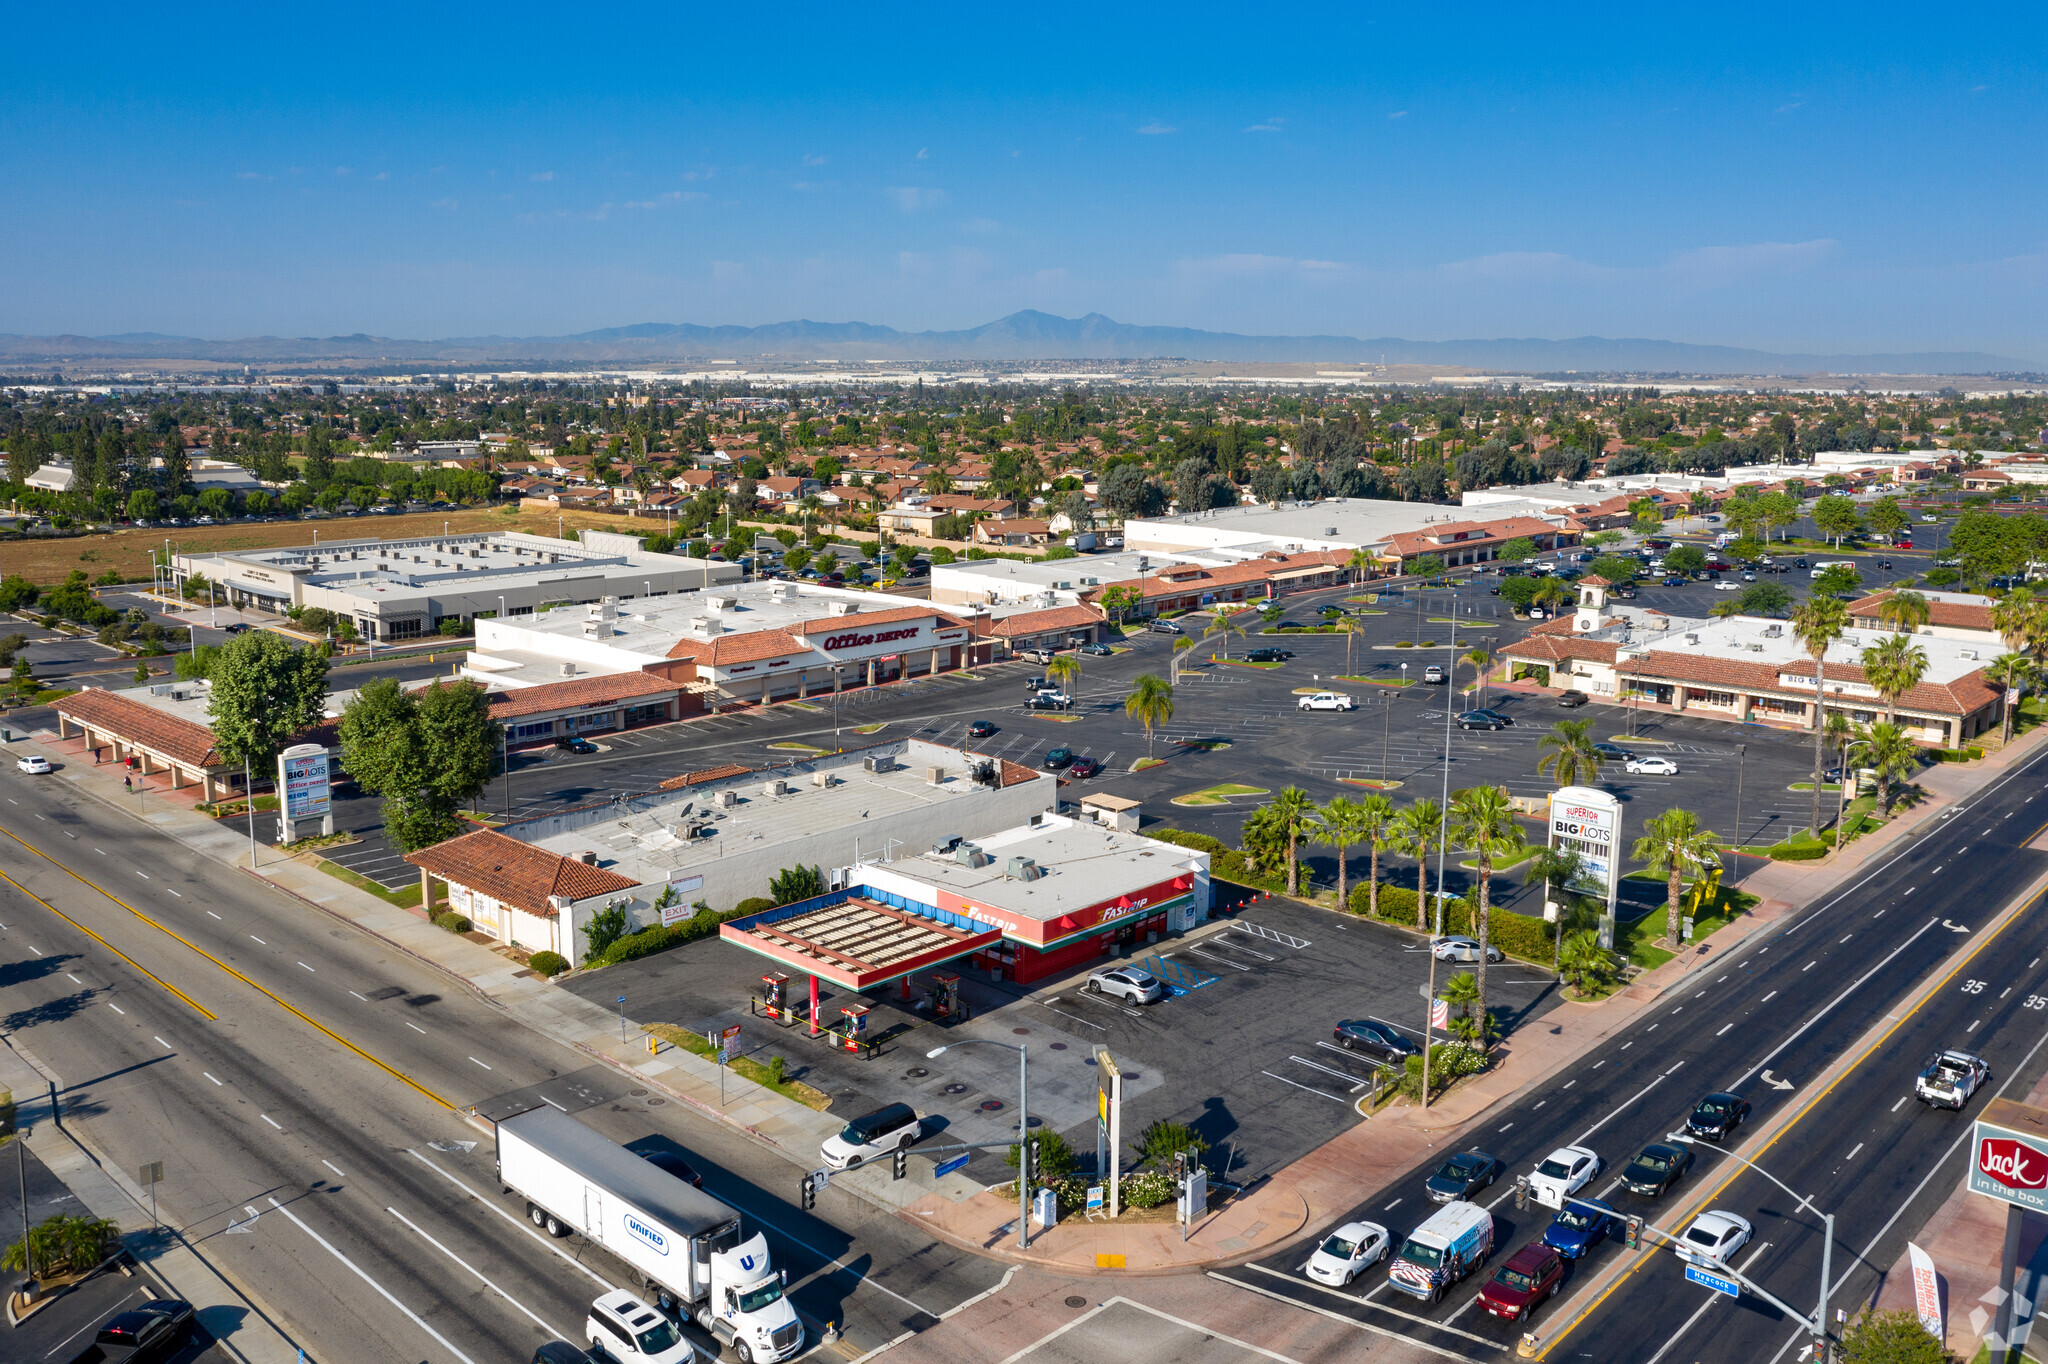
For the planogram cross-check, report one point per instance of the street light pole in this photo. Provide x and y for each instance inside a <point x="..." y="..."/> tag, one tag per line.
<point x="1819" y="1325"/>
<point x="1023" y="1129"/>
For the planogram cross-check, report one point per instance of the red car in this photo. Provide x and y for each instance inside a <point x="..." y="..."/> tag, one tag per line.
<point x="1084" y="768"/>
<point x="1531" y="1275"/>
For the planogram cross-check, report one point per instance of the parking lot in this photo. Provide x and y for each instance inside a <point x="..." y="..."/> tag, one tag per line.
<point x="1242" y="1051"/>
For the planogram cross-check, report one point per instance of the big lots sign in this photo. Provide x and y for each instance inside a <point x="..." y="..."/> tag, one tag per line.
<point x="2009" y="1165"/>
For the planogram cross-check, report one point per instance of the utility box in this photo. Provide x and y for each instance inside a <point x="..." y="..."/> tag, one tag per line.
<point x="1045" y="1207"/>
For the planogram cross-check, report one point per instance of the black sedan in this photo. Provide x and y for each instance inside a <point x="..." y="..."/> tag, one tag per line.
<point x="1462" y="1176"/>
<point x="1375" y="1038"/>
<point x="981" y="729"/>
<point x="1084" y="768"/>
<point x="668" y="1162"/>
<point x="151" y="1331"/>
<point x="1057" y="758"/>
<point x="1483" y="719"/>
<point x="1613" y="753"/>
<point x="1269" y="655"/>
<point x="1717" y="1115"/>
<point x="575" y="745"/>
<point x="1656" y="1169"/>
<point x="1285" y="625"/>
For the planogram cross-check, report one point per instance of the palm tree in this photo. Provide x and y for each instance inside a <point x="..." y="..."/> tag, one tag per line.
<point x="1555" y="869"/>
<point x="1414" y="835"/>
<point x="1673" y="843"/>
<point x="2016" y="617"/>
<point x="1351" y="627"/>
<point x="1375" y="814"/>
<point x="1818" y="622"/>
<point x="1572" y="757"/>
<point x="1551" y="593"/>
<point x="1584" y="963"/>
<point x="1358" y="563"/>
<point x="1223" y="623"/>
<point x="1479" y="659"/>
<point x="1890" y="752"/>
<point x="2008" y="672"/>
<point x="1483" y="824"/>
<point x="1461" y="992"/>
<point x="1294" y="813"/>
<point x="1894" y="666"/>
<point x="1064" y="671"/>
<point x="1340" y="824"/>
<point x="1904" y="610"/>
<point x="1150" y="704"/>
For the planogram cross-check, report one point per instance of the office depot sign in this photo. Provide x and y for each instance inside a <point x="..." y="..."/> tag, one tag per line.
<point x="861" y="639"/>
<point x="2007" y="1164"/>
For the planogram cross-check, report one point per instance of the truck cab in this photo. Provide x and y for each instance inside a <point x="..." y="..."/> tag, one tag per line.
<point x="746" y="1309"/>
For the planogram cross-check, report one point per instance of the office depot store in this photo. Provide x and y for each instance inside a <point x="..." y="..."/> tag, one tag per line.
<point x="1062" y="892"/>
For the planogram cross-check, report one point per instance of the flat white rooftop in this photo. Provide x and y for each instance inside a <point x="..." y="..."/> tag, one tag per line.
<point x="1335" y="523"/>
<point x="1081" y="864"/>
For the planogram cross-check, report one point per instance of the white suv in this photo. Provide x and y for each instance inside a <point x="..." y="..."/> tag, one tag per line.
<point x="622" y="1327"/>
<point x="1327" y="700"/>
<point x="1128" y="983"/>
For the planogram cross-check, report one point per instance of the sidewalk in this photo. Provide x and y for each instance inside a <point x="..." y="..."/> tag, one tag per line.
<point x="241" y="1327"/>
<point x="1308" y="1194"/>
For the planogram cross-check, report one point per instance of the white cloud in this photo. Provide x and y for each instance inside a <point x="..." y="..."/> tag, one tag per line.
<point x="343" y="170"/>
<point x="1271" y="125"/>
<point x="983" y="226"/>
<point x="540" y="177"/>
<point x="913" y="199"/>
<point x="1157" y="129"/>
<point x="924" y="153"/>
<point x="816" y="160"/>
<point x="1398" y="113"/>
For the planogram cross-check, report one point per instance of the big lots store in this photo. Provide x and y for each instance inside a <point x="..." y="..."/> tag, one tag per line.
<point x="1026" y="904"/>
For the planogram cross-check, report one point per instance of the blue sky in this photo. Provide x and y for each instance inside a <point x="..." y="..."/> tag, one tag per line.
<point x="1862" y="181"/>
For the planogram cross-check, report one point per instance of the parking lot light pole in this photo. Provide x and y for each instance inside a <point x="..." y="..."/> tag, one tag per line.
<point x="1819" y="1325"/>
<point x="1023" y="1128"/>
<point x="1741" y="752"/>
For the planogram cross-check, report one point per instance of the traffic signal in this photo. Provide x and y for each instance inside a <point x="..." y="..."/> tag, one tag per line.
<point x="810" y="1193"/>
<point x="902" y="1162"/>
<point x="1521" y="1192"/>
<point x="1030" y="1160"/>
<point x="1632" y="1235"/>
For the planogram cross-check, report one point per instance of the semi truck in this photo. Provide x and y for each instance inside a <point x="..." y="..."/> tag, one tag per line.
<point x="686" y="1243"/>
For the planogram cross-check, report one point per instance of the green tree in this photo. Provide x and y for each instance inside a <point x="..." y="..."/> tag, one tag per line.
<point x="1570" y="757"/>
<point x="1894" y="666"/>
<point x="142" y="505"/>
<point x="1426" y="566"/>
<point x="606" y="927"/>
<point x="1889" y="751"/>
<point x="1686" y="559"/>
<point x="1341" y="824"/>
<point x="2009" y="672"/>
<point x="1162" y="1140"/>
<point x="1375" y="819"/>
<point x="1294" y="814"/>
<point x="1904" y="610"/>
<point x="1519" y="550"/>
<point x="1888" y="517"/>
<point x="1763" y="599"/>
<point x="1837" y="578"/>
<point x="1052" y="1158"/>
<point x="265" y="692"/>
<point x="429" y="753"/>
<point x="1672" y="844"/>
<point x="1894" y="1337"/>
<point x="1555" y="869"/>
<point x="1415" y="833"/>
<point x="1064" y="671"/>
<point x="792" y="884"/>
<point x="1817" y="623"/>
<point x="2016" y="616"/>
<point x="1461" y="992"/>
<point x="1483" y="824"/>
<point x="1150" y="703"/>
<point x="1584" y="964"/>
<point x="1118" y="600"/>
<point x="1838" y="517"/>
<point x="1617" y="568"/>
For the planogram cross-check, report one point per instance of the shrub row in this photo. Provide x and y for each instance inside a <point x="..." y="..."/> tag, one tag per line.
<point x="1518" y="935"/>
<point x="453" y="922"/>
<point x="1799" y="852"/>
<point x="549" y="964"/>
<point x="1225" y="862"/>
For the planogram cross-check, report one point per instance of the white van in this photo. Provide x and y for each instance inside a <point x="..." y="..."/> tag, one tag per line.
<point x="1823" y="565"/>
<point x="1443" y="1250"/>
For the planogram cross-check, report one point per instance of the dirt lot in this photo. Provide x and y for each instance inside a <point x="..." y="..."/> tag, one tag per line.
<point x="127" y="551"/>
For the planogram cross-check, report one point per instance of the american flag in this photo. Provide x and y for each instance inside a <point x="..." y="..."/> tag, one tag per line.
<point x="1440" y="1014"/>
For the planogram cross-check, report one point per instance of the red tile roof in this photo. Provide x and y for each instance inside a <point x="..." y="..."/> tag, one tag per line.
<point x="516" y="873"/>
<point x="751" y="647"/>
<point x="1038" y="622"/>
<point x="1954" y="615"/>
<point x="708" y="774"/>
<point x="179" y="740"/>
<point x="582" y="692"/>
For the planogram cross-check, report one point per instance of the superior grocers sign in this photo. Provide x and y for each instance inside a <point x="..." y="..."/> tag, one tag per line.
<point x="858" y="639"/>
<point x="2009" y="1165"/>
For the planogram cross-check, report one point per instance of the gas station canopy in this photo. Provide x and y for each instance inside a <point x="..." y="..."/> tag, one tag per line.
<point x="855" y="943"/>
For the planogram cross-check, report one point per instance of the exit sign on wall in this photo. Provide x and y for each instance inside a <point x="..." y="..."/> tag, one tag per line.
<point x="2009" y="1155"/>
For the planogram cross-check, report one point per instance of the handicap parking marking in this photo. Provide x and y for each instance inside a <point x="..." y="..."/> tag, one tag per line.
<point x="1270" y="934"/>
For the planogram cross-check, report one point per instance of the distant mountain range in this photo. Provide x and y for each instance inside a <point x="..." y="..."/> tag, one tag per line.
<point x="1021" y="336"/>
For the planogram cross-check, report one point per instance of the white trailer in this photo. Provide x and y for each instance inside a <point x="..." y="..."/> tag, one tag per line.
<point x="683" y="1240"/>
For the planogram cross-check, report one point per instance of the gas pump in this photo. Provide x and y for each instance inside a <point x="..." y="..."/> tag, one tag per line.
<point x="774" y="999"/>
<point x="852" y="1031"/>
<point x="946" y="999"/>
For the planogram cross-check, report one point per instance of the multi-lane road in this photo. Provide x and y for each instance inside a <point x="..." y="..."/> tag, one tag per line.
<point x="301" y="1083"/>
<point x="1766" y="1021"/>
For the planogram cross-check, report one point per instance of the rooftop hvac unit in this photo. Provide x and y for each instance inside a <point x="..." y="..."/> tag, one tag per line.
<point x="880" y="762"/>
<point x="970" y="855"/>
<point x="587" y="858"/>
<point x="946" y="846"/>
<point x="1692" y="639"/>
<point x="935" y="776"/>
<point x="821" y="780"/>
<point x="1968" y="653"/>
<point x="1023" y="869"/>
<point x="778" y="787"/>
<point x="728" y="798"/>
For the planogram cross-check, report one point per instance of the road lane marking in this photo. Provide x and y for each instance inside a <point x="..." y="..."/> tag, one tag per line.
<point x="1853" y="1154"/>
<point x="560" y="1335"/>
<point x="1724" y="1028"/>
<point x="74" y="979"/>
<point x="1901" y="1103"/>
<point x="382" y="1291"/>
<point x="1768" y="998"/>
<point x="303" y="966"/>
<point x="209" y="1075"/>
<point x="179" y="894"/>
<point x="212" y="914"/>
<point x="117" y="1009"/>
<point x="197" y="1007"/>
<point x="332" y="1166"/>
<point x="1802" y="971"/>
<point x="487" y="1068"/>
<point x="252" y="935"/>
<point x="366" y="1001"/>
<point x="165" y="1045"/>
<point x="492" y="1204"/>
<point x="272" y="1121"/>
<point x="417" y="1028"/>
<point x="1704" y="1308"/>
<point x="143" y="874"/>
